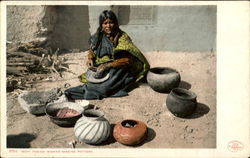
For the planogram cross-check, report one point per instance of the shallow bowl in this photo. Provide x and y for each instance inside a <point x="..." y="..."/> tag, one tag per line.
<point x="52" y="109"/>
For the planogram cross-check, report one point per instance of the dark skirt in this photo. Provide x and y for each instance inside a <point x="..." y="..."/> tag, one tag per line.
<point x="115" y="86"/>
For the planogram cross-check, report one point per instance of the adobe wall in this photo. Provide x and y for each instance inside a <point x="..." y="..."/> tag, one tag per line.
<point x="152" y="28"/>
<point x="24" y="22"/>
<point x="172" y="28"/>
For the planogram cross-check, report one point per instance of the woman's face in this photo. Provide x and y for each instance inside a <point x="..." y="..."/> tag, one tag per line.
<point x="108" y="26"/>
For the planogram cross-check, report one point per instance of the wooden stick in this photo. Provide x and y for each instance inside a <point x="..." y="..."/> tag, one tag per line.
<point x="41" y="60"/>
<point x="19" y="64"/>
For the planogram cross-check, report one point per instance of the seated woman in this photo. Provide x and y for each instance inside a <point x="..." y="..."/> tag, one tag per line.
<point x="111" y="51"/>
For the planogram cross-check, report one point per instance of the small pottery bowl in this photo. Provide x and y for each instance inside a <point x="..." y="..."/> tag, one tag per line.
<point x="181" y="102"/>
<point x="53" y="108"/>
<point x="130" y="132"/>
<point x="83" y="103"/>
<point x="163" y="79"/>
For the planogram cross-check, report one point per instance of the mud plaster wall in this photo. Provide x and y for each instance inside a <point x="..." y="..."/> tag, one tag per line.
<point x="23" y="22"/>
<point x="173" y="28"/>
<point x="72" y="27"/>
<point x="64" y="27"/>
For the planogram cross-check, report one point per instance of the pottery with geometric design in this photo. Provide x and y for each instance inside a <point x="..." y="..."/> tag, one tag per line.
<point x="92" y="127"/>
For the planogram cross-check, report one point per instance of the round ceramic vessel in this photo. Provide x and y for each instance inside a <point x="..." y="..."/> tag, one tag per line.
<point x="52" y="109"/>
<point x="92" y="127"/>
<point x="130" y="132"/>
<point x="163" y="79"/>
<point x="181" y="102"/>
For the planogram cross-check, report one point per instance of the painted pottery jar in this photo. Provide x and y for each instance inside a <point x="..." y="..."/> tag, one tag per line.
<point x="130" y="132"/>
<point x="92" y="127"/>
<point x="181" y="102"/>
<point x="163" y="79"/>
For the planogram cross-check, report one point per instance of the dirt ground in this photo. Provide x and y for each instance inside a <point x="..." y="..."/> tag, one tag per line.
<point x="198" y="74"/>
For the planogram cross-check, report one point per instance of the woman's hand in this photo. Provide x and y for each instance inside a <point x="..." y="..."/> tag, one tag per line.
<point x="103" y="67"/>
<point x="90" y="63"/>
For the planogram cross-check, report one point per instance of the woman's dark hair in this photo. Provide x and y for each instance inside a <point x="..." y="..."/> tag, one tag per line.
<point x="107" y="14"/>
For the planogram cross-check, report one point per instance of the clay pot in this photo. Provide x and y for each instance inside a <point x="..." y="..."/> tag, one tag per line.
<point x="92" y="127"/>
<point x="130" y="132"/>
<point x="181" y="102"/>
<point x="163" y="79"/>
<point x="52" y="110"/>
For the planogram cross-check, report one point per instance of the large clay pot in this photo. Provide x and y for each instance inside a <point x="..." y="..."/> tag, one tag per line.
<point x="92" y="127"/>
<point x="130" y="132"/>
<point x="163" y="79"/>
<point x="181" y="102"/>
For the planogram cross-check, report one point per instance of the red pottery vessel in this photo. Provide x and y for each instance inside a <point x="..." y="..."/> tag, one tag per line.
<point x="130" y="132"/>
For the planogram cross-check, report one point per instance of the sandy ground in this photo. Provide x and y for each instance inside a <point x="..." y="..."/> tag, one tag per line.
<point x="198" y="73"/>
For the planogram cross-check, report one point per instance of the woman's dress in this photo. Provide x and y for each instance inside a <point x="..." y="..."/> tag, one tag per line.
<point x="119" y="77"/>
